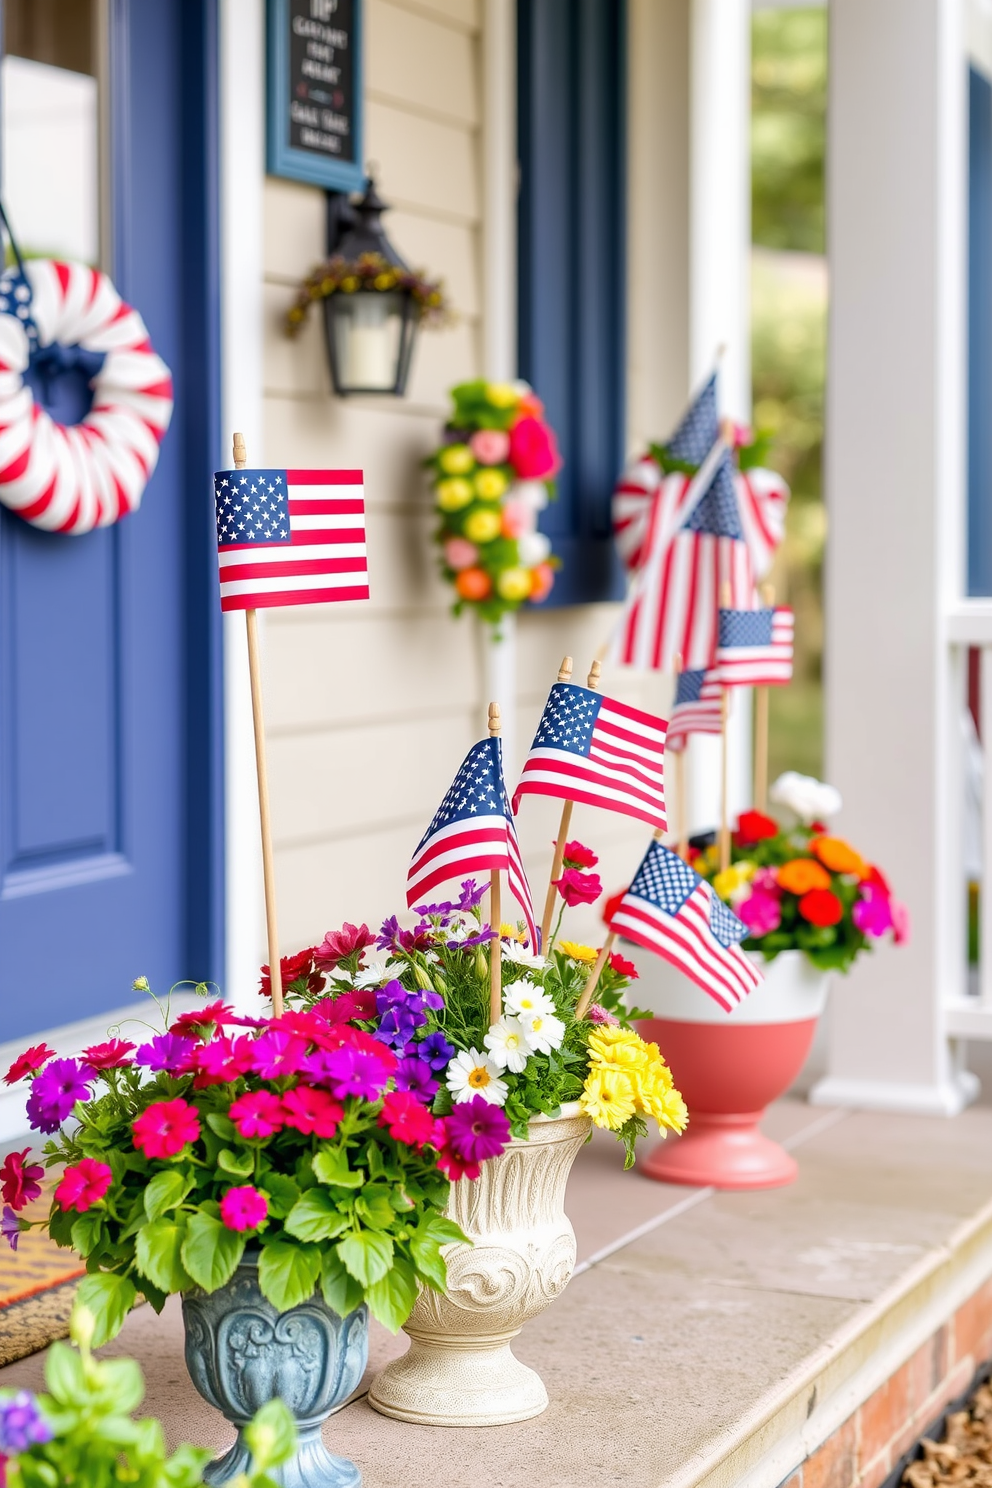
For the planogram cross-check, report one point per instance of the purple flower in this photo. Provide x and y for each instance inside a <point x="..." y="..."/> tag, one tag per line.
<point x="9" y="1226"/>
<point x="167" y="1051"/>
<point x="56" y="1090"/>
<point x="355" y="1072"/>
<point x="434" y="1051"/>
<point x="472" y="894"/>
<point x="21" y="1423"/>
<point x="483" y="938"/>
<point x="477" y="1130"/>
<point x="392" y="938"/>
<point x="414" y="1075"/>
<point x="396" y="1027"/>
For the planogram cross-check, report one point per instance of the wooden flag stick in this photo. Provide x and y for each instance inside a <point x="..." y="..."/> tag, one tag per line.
<point x="268" y="864"/>
<point x="681" y="809"/>
<point x="761" y="725"/>
<point x="725" y="600"/>
<point x="582" y="1006"/>
<point x="495" y="914"/>
<point x="564" y="675"/>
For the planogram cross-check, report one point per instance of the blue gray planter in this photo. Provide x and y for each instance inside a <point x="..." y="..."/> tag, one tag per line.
<point x="242" y="1352"/>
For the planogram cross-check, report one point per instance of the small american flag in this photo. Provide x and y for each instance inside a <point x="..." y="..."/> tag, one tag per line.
<point x="755" y="647"/>
<point x="698" y="709"/>
<point x="290" y="537"/>
<point x="472" y="833"/>
<point x="669" y="909"/>
<point x="590" y="748"/>
<point x="700" y="427"/>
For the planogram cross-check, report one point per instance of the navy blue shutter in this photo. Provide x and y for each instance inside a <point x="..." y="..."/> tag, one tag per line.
<point x="571" y="262"/>
<point x="979" y="334"/>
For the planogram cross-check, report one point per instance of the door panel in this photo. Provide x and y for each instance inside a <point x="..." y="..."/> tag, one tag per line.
<point x="110" y="749"/>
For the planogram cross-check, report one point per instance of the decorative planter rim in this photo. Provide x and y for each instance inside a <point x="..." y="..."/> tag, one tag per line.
<point x="794" y="991"/>
<point x="568" y="1110"/>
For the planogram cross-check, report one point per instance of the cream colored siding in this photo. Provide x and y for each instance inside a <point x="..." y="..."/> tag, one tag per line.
<point x="370" y="707"/>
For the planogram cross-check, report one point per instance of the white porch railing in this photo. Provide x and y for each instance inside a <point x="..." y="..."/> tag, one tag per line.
<point x="969" y="625"/>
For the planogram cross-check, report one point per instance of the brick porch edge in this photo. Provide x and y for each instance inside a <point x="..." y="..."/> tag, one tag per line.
<point x="844" y="1417"/>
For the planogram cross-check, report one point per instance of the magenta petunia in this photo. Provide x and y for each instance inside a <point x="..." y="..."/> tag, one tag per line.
<point x="83" y="1185"/>
<point x="167" y="1051"/>
<point x="351" y="1071"/>
<point x="311" y="1111"/>
<point x="277" y="1053"/>
<point x="338" y="945"/>
<point x="761" y="913"/>
<point x="243" y="1208"/>
<point x="164" y="1128"/>
<point x="477" y="1130"/>
<point x="25" y="1064"/>
<point x="113" y="1054"/>
<point x="19" y="1180"/>
<point x="257" y="1113"/>
<point x="407" y="1119"/>
<point x="533" y="450"/>
<point x="872" y="912"/>
<point x="576" y="855"/>
<point x="578" y="888"/>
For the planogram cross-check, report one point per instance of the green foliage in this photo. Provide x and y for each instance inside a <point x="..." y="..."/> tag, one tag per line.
<point x="96" y="1443"/>
<point x="788" y="128"/>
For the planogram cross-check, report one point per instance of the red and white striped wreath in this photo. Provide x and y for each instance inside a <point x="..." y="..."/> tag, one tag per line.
<point x="72" y="478"/>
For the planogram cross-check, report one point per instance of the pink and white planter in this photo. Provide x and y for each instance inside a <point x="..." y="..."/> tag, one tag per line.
<point x="729" y="1067"/>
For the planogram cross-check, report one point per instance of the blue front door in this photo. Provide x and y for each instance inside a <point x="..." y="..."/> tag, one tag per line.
<point x="110" y="737"/>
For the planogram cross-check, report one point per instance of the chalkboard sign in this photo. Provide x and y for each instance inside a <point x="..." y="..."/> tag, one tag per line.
<point x="315" y="92"/>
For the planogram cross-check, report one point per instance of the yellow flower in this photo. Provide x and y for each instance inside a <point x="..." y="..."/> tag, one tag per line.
<point x="630" y="1052"/>
<point x="510" y="932"/>
<point x="514" y="583"/>
<point x="384" y="281"/>
<point x="726" y="882"/>
<point x="349" y="284"/>
<point x="482" y="526"/>
<point x="665" y="1105"/>
<point x="501" y="394"/>
<point x="577" y="952"/>
<point x="453" y="493"/>
<point x="456" y="459"/>
<point x="612" y="1033"/>
<point x="490" y="484"/>
<point x="608" y="1097"/>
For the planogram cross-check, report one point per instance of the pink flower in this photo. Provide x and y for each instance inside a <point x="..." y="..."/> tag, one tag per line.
<point x="406" y="1119"/>
<point x="872" y="912"/>
<point x="516" y="519"/>
<point x="766" y="879"/>
<point x="338" y="945"/>
<point x="111" y="1055"/>
<point x="19" y="1180"/>
<point x="311" y="1111"/>
<point x="459" y="553"/>
<point x="165" y="1127"/>
<point x="456" y="1167"/>
<point x="83" y="1185"/>
<point x="257" y="1113"/>
<point x="578" y="888"/>
<point x="25" y="1064"/>
<point x="577" y="855"/>
<point x="900" y="922"/>
<point x="533" y="451"/>
<point x="219" y="1062"/>
<point x="277" y="1052"/>
<point x="243" y="1208"/>
<point x="358" y="1004"/>
<point x="490" y="446"/>
<point x="598" y="1014"/>
<point x="202" y="1020"/>
<point x="760" y="912"/>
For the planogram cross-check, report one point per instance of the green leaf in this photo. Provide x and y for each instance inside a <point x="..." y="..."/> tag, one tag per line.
<point x="391" y="1299"/>
<point x="121" y="1382"/>
<point x="428" y="1260"/>
<point x="158" y="1253"/>
<point x="240" y="1164"/>
<point x="341" y="1291"/>
<point x="281" y="1191"/>
<point x="211" y="1251"/>
<point x="374" y="1205"/>
<point x="316" y="1216"/>
<point x="88" y="1232"/>
<point x="109" y="1298"/>
<point x="270" y="1436"/>
<point x="367" y="1256"/>
<point x="443" y="1230"/>
<point x="330" y="1165"/>
<point x="223" y="1126"/>
<point x="287" y="1273"/>
<point x="64" y="1374"/>
<point x="164" y="1192"/>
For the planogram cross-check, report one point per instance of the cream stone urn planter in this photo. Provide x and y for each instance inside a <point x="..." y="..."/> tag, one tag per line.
<point x="460" y="1369"/>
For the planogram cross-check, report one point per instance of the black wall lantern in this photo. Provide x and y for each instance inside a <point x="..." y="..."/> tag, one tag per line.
<point x="372" y="319"/>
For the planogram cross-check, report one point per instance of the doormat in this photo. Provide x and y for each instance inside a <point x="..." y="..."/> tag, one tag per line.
<point x="37" y="1286"/>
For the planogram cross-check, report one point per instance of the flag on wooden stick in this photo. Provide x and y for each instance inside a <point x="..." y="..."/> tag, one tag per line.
<point x="472" y="834"/>
<point x="669" y="909"/>
<point x="696" y="710"/>
<point x="290" y="537"/>
<point x="755" y="647"/>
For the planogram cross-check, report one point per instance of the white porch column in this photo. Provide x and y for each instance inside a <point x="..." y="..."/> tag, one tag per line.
<point x="895" y="446"/>
<point x="719" y="300"/>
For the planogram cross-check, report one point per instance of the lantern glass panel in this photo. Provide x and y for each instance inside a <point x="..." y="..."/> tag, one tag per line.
<point x="367" y="330"/>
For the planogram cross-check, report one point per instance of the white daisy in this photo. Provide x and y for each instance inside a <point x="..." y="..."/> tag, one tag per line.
<point x="508" y="1045"/>
<point x="544" y="1032"/>
<point x="460" y="927"/>
<point x="514" y="951"/>
<point x="471" y="1073"/>
<point x="525" y="998"/>
<point x="372" y="975"/>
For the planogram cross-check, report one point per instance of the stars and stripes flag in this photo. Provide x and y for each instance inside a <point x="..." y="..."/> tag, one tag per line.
<point x="290" y="537"/>
<point x="590" y="748"/>
<point x="755" y="647"/>
<point x="669" y="909"/>
<point x="698" y="709"/>
<point x="472" y="833"/>
<point x="762" y="500"/>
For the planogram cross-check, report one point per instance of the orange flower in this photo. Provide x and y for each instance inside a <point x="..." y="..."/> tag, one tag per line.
<point x="839" y="856"/>
<point x="800" y="875"/>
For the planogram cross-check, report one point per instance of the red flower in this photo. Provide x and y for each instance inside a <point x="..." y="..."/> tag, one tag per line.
<point x="25" y="1064"/>
<point x="456" y="1167"/>
<point x="754" y="826"/>
<point x="821" y="907"/>
<point x="623" y="967"/>
<point x="243" y="1208"/>
<point x="358" y="1004"/>
<point x="83" y="1185"/>
<point x="201" y="1019"/>
<point x="338" y="945"/>
<point x="165" y="1127"/>
<point x="578" y="856"/>
<point x="611" y="906"/>
<point x="294" y="968"/>
<point x="111" y="1055"/>
<point x="19" y="1184"/>
<point x="311" y="1111"/>
<point x="578" y="888"/>
<point x="877" y="877"/>
<point x="533" y="451"/>
<point x="406" y="1118"/>
<point x="257" y="1113"/>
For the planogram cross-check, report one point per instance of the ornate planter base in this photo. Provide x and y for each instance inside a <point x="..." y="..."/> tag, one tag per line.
<point x="241" y="1352"/>
<point x="460" y="1369"/>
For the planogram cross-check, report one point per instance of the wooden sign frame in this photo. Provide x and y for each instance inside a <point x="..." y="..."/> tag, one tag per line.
<point x="285" y="159"/>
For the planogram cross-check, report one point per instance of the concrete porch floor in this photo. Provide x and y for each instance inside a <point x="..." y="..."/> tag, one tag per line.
<point x="706" y="1338"/>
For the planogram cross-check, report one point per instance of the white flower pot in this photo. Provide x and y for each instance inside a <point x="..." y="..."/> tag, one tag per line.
<point x="460" y="1369"/>
<point x="793" y="991"/>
